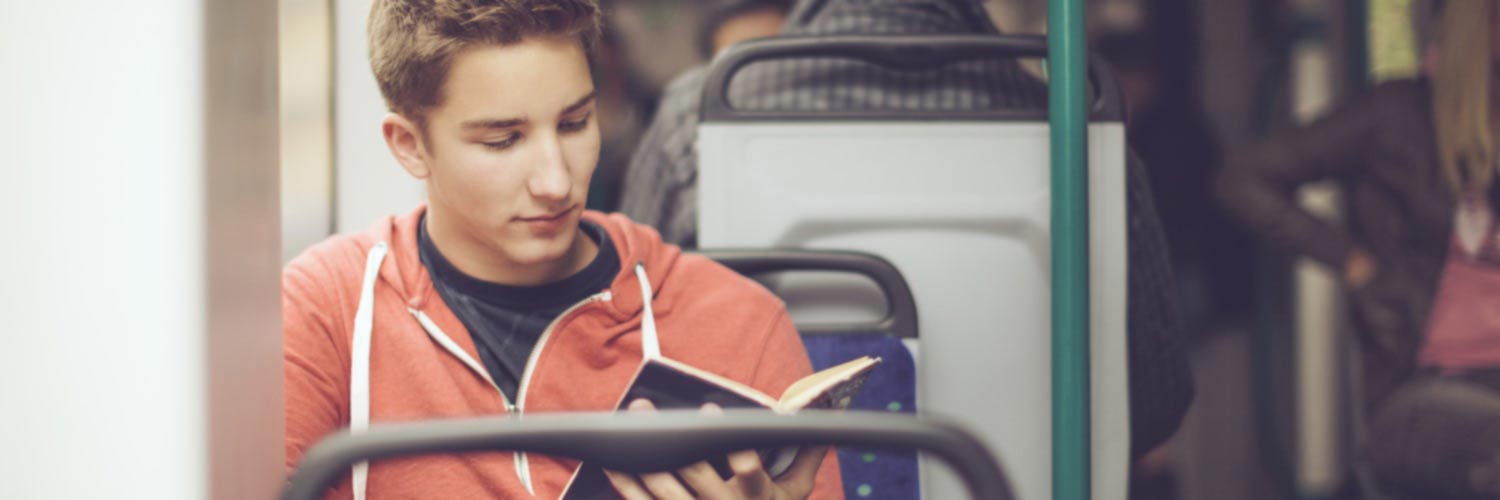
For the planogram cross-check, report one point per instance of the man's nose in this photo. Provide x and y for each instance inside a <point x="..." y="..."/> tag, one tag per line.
<point x="551" y="180"/>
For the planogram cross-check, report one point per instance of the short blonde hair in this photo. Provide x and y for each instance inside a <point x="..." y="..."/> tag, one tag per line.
<point x="1461" y="94"/>
<point x="413" y="42"/>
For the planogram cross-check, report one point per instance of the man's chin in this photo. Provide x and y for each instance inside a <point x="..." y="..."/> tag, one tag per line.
<point x="539" y="251"/>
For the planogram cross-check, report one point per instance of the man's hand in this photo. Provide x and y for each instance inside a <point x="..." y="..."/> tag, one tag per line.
<point x="700" y="480"/>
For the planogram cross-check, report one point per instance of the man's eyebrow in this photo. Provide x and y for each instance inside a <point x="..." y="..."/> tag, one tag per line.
<point x="513" y="122"/>
<point x="579" y="103"/>
<point x="490" y="124"/>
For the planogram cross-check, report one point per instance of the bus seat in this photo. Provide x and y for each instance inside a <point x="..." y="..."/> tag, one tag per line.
<point x="959" y="202"/>
<point x="892" y="387"/>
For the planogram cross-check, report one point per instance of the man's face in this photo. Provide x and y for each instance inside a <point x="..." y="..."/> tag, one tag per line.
<point x="510" y="151"/>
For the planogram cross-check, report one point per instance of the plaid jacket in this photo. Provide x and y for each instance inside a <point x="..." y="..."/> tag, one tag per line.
<point x="661" y="183"/>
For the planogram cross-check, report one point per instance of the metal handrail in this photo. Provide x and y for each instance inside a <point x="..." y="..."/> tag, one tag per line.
<point x="655" y="442"/>
<point x="901" y="307"/>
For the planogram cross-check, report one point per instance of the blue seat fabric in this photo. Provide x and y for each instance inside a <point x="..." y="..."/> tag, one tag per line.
<point x="892" y="387"/>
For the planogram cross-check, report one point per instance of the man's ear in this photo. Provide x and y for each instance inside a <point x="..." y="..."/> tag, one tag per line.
<point x="405" y="140"/>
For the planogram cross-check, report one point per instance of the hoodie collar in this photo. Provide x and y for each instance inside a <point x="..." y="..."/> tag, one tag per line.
<point x="641" y="245"/>
<point x="403" y="270"/>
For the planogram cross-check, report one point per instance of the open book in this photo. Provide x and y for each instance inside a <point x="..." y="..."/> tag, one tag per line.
<point x="674" y="385"/>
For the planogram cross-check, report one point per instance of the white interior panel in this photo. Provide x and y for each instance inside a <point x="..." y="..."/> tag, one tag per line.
<point x="368" y="182"/>
<point x="962" y="209"/>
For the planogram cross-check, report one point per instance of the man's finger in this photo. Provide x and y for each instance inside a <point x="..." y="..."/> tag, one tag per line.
<point x="750" y="476"/>
<point x="661" y="485"/>
<point x="665" y="486"/>
<point x="641" y="405"/>
<point x="803" y="473"/>
<point x="627" y="486"/>
<point x="809" y="458"/>
<point x="705" y="481"/>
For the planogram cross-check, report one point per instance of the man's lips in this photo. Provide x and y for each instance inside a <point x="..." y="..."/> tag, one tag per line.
<point x="547" y="217"/>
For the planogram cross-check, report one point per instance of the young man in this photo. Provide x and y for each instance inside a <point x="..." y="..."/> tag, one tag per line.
<point x="502" y="295"/>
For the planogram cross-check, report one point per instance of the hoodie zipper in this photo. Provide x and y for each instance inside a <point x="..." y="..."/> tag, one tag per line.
<point x="523" y="466"/>
<point x="474" y="366"/>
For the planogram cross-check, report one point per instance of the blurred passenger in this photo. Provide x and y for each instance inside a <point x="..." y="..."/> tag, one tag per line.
<point x="661" y="184"/>
<point x="626" y="102"/>
<point x="1421" y="257"/>
<point x="727" y="22"/>
<point x="1169" y="131"/>
<point x="445" y="311"/>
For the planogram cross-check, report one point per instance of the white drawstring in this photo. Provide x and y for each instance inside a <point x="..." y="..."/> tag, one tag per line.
<point x="452" y="347"/>
<point x="522" y="471"/>
<point x="359" y="363"/>
<point x="650" y="348"/>
<point x="359" y="379"/>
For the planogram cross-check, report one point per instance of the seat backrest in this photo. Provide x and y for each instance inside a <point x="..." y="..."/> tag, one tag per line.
<point x="959" y="202"/>
<point x="867" y="473"/>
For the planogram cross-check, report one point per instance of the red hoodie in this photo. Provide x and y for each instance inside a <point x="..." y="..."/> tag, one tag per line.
<point x="706" y="316"/>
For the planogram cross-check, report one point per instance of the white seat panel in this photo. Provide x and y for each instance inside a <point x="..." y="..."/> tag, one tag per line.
<point x="962" y="209"/>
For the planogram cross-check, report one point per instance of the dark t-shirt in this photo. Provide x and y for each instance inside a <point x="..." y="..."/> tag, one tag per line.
<point x="507" y="321"/>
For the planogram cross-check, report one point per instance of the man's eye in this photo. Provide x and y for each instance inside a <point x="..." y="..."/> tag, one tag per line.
<point x="509" y="141"/>
<point x="574" y="126"/>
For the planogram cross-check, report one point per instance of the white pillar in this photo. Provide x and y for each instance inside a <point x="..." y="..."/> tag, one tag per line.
<point x="138" y="259"/>
<point x="1317" y="289"/>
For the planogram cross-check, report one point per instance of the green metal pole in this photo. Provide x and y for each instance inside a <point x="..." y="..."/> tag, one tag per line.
<point x="1067" y="68"/>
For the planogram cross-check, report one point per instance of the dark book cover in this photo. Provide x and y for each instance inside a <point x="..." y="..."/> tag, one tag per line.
<point x="668" y="388"/>
<point x="671" y="385"/>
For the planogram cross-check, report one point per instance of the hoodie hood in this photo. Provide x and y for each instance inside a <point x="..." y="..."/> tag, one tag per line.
<point x="888" y="17"/>
<point x="635" y="244"/>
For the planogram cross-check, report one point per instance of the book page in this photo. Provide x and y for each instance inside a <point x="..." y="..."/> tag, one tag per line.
<point x="831" y="388"/>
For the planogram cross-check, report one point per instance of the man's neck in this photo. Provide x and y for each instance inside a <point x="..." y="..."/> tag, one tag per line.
<point x="476" y="259"/>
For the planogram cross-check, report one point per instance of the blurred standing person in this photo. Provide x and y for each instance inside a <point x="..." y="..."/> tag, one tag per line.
<point x="1172" y="136"/>
<point x="1169" y="132"/>
<point x="1421" y="258"/>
